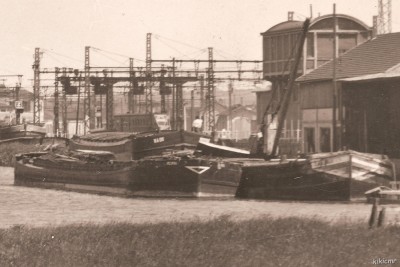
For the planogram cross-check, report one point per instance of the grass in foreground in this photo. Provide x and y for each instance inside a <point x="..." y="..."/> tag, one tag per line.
<point x="221" y="242"/>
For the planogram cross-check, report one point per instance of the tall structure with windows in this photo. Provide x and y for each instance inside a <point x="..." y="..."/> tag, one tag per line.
<point x="279" y="42"/>
<point x="279" y="46"/>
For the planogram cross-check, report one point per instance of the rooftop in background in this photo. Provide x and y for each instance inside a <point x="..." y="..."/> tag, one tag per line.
<point x="378" y="55"/>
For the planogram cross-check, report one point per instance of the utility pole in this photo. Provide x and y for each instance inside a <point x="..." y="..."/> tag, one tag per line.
<point x="210" y="93"/>
<point x="334" y="104"/>
<point x="201" y="92"/>
<point x="86" y="100"/>
<point x="56" y="126"/>
<point x="18" y="109"/>
<point x="179" y="106"/>
<point x="162" y="90"/>
<point x="230" y="106"/>
<point x="110" y="106"/>
<point x="192" y="105"/>
<point x="149" y="96"/>
<point x="131" y="99"/>
<point x="173" y="120"/>
<point x="36" y="87"/>
<point x="77" y="104"/>
<point x="65" y="121"/>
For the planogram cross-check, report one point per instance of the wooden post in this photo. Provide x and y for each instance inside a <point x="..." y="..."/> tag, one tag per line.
<point x="381" y="217"/>
<point x="334" y="96"/>
<point x="77" y="108"/>
<point x="286" y="99"/>
<point x="350" y="173"/>
<point x="374" y="213"/>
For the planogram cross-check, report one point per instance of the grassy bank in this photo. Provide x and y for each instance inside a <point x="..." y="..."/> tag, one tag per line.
<point x="222" y="242"/>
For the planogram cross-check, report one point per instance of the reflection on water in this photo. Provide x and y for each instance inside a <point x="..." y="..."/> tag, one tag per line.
<point x="37" y="207"/>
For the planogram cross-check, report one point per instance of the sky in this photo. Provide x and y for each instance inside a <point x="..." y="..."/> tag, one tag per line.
<point x="116" y="29"/>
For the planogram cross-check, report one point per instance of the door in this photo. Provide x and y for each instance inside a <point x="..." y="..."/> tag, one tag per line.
<point x="325" y="139"/>
<point x="309" y="140"/>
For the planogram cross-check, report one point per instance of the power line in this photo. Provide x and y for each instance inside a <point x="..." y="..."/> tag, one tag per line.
<point x="117" y="54"/>
<point x="71" y="58"/>
<point x="179" y="42"/>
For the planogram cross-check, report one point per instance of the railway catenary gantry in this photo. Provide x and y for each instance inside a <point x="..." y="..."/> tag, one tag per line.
<point x="170" y="77"/>
<point x="103" y="85"/>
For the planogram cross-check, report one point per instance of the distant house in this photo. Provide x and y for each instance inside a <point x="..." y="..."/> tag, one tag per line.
<point x="204" y="114"/>
<point x="7" y="105"/>
<point x="244" y="122"/>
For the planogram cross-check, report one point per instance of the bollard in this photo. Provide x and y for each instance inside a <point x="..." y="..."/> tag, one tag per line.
<point x="381" y="217"/>
<point x="374" y="211"/>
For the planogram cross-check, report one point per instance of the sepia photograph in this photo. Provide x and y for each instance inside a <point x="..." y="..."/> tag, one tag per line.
<point x="200" y="133"/>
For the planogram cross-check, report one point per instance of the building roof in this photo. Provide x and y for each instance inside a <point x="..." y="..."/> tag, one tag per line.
<point x="239" y="108"/>
<point x="286" y="26"/>
<point x="371" y="57"/>
<point x="392" y="73"/>
<point x="293" y="25"/>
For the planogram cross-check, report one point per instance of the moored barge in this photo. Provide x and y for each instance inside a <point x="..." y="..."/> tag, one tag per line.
<point x="83" y="171"/>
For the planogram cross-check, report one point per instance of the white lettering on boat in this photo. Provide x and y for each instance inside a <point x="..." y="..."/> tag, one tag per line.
<point x="158" y="140"/>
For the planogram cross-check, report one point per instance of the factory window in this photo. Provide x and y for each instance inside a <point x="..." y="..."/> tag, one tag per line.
<point x="324" y="46"/>
<point x="286" y="46"/>
<point x="310" y="45"/>
<point x="267" y="48"/>
<point x="347" y="42"/>
<point x="281" y="48"/>
<point x="273" y="48"/>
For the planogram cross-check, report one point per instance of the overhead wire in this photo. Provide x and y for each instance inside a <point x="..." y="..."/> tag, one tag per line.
<point x="173" y="48"/>
<point x="110" y="58"/>
<point x="71" y="58"/>
<point x="54" y="58"/>
<point x="180" y="42"/>
<point x="117" y="54"/>
<point x="228" y="54"/>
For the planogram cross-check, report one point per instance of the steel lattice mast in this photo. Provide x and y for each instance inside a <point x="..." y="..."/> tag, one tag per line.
<point x="210" y="98"/>
<point x="56" y="126"/>
<point x="36" y="87"/>
<point x="384" y="16"/>
<point x="86" y="100"/>
<point x="131" y="99"/>
<point x="149" y="97"/>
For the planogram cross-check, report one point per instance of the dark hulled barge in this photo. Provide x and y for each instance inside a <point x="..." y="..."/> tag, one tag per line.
<point x="83" y="171"/>
<point x="127" y="146"/>
<point x="342" y="176"/>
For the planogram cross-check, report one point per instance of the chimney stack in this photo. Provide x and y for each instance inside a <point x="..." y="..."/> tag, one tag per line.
<point x="374" y="26"/>
<point x="290" y="15"/>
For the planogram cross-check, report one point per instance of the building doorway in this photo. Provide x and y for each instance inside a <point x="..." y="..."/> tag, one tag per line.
<point x="325" y="139"/>
<point x="309" y="140"/>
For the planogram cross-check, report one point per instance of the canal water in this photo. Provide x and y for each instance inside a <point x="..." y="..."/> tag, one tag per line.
<point x="44" y="207"/>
